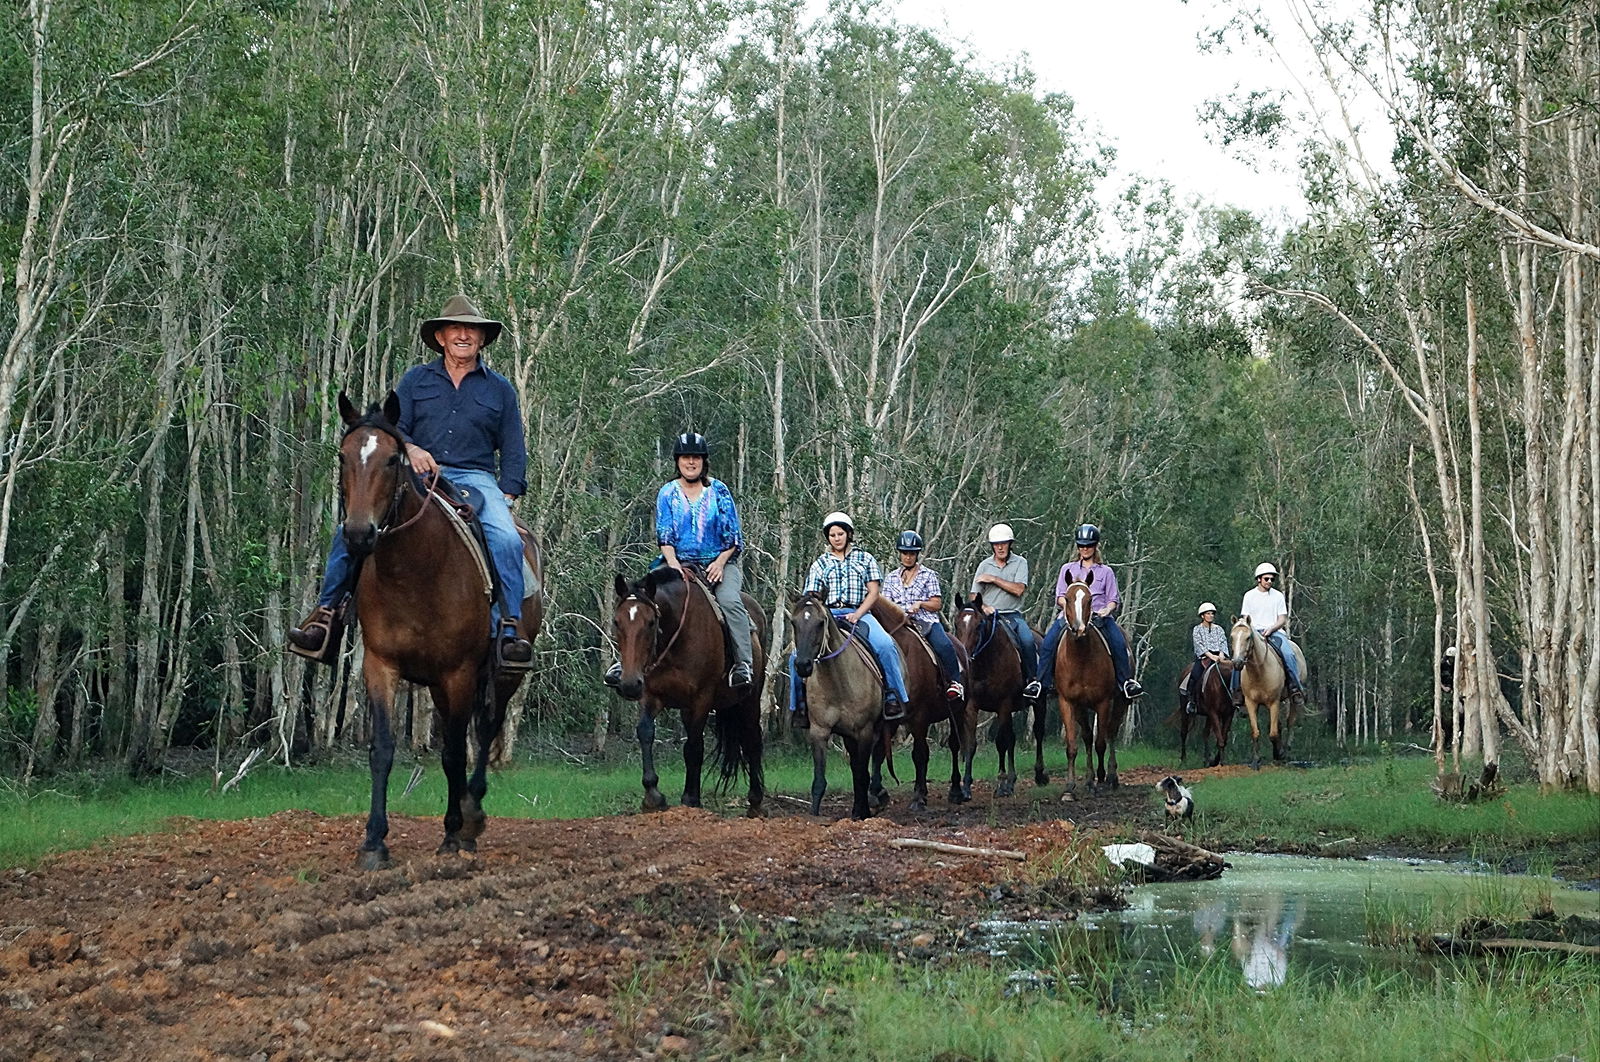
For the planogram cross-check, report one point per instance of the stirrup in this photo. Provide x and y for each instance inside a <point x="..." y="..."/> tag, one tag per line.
<point x="740" y="675"/>
<point x="1033" y="689"/>
<point x="613" y="675"/>
<point x="954" y="692"/>
<point x="512" y="651"/>
<point x="1131" y="689"/>
<point x="893" y="708"/>
<point x="318" y="639"/>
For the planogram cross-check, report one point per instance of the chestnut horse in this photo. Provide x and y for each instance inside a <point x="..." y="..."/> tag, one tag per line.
<point x="1264" y="683"/>
<point x="674" y="655"/>
<point x="424" y="617"/>
<point x="927" y="706"/>
<point x="1214" y="704"/>
<point x="844" y="695"/>
<point x="994" y="684"/>
<point x="1086" y="690"/>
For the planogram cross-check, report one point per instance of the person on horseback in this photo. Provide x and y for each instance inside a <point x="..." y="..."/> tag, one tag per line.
<point x="1105" y="599"/>
<point x="1001" y="580"/>
<point x="915" y="588"/>
<point x="849" y="580"/>
<point x="1268" y="611"/>
<point x="456" y="416"/>
<point x="1210" y="644"/>
<point x="697" y="523"/>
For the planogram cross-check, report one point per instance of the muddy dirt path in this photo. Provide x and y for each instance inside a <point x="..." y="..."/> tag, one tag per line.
<point x="260" y="939"/>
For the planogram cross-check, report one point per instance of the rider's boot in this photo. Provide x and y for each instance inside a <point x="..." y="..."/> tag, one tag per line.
<point x="1132" y="690"/>
<point x="955" y="691"/>
<point x="893" y="707"/>
<point x="741" y="675"/>
<point x="319" y="635"/>
<point x="512" y="649"/>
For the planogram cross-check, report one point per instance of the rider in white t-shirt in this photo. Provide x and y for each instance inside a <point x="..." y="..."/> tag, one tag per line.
<point x="1268" y="612"/>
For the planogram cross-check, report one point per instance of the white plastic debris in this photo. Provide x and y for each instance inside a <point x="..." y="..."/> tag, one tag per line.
<point x="1123" y="854"/>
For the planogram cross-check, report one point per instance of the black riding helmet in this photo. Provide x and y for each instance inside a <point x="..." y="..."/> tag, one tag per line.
<point x="691" y="444"/>
<point x="909" y="542"/>
<point x="1087" y="535"/>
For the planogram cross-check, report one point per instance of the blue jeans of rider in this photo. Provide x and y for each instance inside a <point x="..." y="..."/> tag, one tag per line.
<point x="1022" y="634"/>
<point x="498" y="527"/>
<point x="1281" y="640"/>
<point x="1115" y="641"/>
<point x="883" y="648"/>
<point x="945" y="651"/>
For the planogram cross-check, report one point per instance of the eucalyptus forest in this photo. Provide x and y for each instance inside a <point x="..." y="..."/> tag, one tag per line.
<point x="879" y="274"/>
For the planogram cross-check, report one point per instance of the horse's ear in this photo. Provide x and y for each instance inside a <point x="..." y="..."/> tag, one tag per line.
<point x="391" y="408"/>
<point x="621" y="587"/>
<point x="347" y="410"/>
<point x="793" y="598"/>
<point x="1088" y="578"/>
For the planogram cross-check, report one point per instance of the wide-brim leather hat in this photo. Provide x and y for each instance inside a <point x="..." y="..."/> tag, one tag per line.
<point x="459" y="310"/>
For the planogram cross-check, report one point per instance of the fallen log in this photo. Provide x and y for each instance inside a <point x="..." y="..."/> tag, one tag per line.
<point x="1471" y="946"/>
<point x="956" y="849"/>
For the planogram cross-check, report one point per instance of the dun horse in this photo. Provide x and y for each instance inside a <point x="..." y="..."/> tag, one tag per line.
<point x="927" y="706"/>
<point x="1086" y="690"/>
<point x="424" y="615"/>
<point x="844" y="695"/>
<point x="1264" y="684"/>
<point x="1213" y="705"/>
<point x="994" y="684"/>
<point x="674" y="654"/>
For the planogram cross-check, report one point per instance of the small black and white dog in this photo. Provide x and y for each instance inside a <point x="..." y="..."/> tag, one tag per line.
<point x="1180" y="801"/>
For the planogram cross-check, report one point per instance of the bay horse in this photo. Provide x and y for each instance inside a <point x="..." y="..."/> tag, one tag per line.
<point x="674" y="656"/>
<point x="424" y="615"/>
<point x="926" y="707"/>
<point x="1264" y="683"/>
<point x="844" y="695"/>
<point x="1214" y="704"/>
<point x="1086" y="690"/>
<point x="994" y="684"/>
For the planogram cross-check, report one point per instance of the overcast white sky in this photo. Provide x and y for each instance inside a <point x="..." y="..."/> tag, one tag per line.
<point x="1138" y="76"/>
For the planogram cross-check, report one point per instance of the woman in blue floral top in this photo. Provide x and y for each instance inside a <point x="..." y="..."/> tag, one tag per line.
<point x="915" y="588"/>
<point x="698" y="524"/>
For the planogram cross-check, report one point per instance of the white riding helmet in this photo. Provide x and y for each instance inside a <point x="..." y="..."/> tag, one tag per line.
<point x="1265" y="568"/>
<point x="842" y="519"/>
<point x="1001" y="533"/>
<point x="1205" y="606"/>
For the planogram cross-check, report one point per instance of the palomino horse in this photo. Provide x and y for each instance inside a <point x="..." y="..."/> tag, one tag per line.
<point x="927" y="706"/>
<point x="844" y="695"/>
<point x="424" y="618"/>
<point x="674" y="655"/>
<point x="1214" y="704"/>
<point x="994" y="684"/>
<point x="1264" y="684"/>
<point x="1086" y="690"/>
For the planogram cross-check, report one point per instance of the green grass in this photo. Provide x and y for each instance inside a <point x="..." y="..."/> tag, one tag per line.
<point x="858" y="1006"/>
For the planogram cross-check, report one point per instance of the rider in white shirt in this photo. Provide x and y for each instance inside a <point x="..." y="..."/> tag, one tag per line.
<point x="1268" y="612"/>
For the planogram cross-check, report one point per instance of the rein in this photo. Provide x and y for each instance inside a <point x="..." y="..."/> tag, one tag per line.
<point x="683" y="621"/>
<point x="986" y="626"/>
<point x="403" y="484"/>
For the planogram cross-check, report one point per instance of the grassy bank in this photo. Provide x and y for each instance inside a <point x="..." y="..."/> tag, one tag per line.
<point x="870" y="1007"/>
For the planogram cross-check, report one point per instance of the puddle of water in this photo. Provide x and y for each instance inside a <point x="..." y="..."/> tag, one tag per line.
<point x="1268" y="916"/>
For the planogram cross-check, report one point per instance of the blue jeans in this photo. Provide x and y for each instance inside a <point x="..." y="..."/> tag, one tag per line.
<point x="945" y="651"/>
<point x="1115" y="640"/>
<point x="1022" y="634"/>
<point x="501" y="531"/>
<point x="1281" y="640"/>
<point x="883" y="648"/>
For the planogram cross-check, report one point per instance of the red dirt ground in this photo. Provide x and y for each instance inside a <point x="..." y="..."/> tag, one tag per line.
<point x="261" y="940"/>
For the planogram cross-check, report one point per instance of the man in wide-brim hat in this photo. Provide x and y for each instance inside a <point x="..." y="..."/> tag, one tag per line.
<point x="460" y="418"/>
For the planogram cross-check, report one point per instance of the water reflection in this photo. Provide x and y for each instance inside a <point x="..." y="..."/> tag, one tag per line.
<point x="1261" y="939"/>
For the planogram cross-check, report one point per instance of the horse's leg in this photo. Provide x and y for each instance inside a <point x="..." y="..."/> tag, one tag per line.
<point x="1218" y="733"/>
<point x="860" y="752"/>
<point x="1040" y="775"/>
<point x="1272" y="732"/>
<point x="454" y="718"/>
<point x="819" y="769"/>
<point x="969" y="749"/>
<point x="1112" y="727"/>
<point x="877" y="752"/>
<point x="646" y="733"/>
<point x="381" y="688"/>
<point x="491" y="720"/>
<point x="694" y="754"/>
<point x="919" y="759"/>
<point x="1005" y="743"/>
<point x="1250" y="707"/>
<point x="1069" y="722"/>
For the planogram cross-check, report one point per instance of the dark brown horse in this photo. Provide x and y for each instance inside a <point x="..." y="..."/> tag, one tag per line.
<point x="1086" y="689"/>
<point x="424" y="615"/>
<point x="674" y="656"/>
<point x="1213" y="704"/>
<point x="844" y="695"/>
<point x="995" y="684"/>
<point x="927" y="706"/>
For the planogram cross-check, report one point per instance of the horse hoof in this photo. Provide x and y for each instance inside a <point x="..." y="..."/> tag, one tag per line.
<point x="1041" y="778"/>
<point x="755" y="811"/>
<point x="653" y="802"/>
<point x="919" y="804"/>
<point x="1255" y="764"/>
<point x="373" y="859"/>
<point x="690" y="801"/>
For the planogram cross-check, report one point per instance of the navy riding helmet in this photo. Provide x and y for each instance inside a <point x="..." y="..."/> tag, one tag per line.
<point x="1087" y="535"/>
<point x="691" y="444"/>
<point x="909" y="542"/>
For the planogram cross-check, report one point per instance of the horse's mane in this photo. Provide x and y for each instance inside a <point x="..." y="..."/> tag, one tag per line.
<point x="656" y="578"/>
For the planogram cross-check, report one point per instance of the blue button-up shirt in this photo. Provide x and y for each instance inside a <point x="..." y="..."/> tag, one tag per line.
<point x="697" y="530"/>
<point x="465" y="426"/>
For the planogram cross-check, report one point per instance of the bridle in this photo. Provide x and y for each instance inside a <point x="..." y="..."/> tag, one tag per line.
<point x="655" y="612"/>
<point x="987" y="625"/>
<point x="822" y="638"/>
<point x="1075" y="599"/>
<point x="404" y="483"/>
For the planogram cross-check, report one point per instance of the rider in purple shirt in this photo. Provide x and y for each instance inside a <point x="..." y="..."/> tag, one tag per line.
<point x="1104" y="600"/>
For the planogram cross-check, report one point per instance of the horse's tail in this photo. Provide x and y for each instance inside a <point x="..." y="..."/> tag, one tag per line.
<point x="730" y="755"/>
